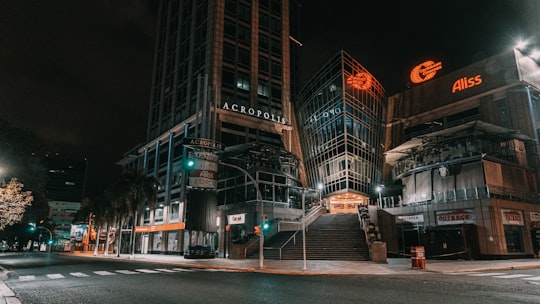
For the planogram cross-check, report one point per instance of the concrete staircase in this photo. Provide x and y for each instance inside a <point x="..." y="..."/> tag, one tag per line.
<point x="330" y="237"/>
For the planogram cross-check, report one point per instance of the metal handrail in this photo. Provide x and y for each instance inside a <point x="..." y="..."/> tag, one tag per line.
<point x="248" y="246"/>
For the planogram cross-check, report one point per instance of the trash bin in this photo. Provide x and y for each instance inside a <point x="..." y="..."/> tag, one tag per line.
<point x="418" y="257"/>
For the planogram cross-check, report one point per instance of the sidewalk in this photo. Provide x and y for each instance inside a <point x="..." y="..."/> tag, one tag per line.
<point x="323" y="267"/>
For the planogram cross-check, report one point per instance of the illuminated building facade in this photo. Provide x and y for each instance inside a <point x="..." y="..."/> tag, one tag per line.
<point x="463" y="149"/>
<point x="339" y="115"/>
<point x="224" y="74"/>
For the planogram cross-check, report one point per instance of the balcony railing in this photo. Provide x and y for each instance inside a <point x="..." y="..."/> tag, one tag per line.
<point x="455" y="194"/>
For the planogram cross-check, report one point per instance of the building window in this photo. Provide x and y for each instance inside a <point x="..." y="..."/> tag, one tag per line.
<point x="158" y="215"/>
<point x="175" y="212"/>
<point x="242" y="82"/>
<point x="262" y="89"/>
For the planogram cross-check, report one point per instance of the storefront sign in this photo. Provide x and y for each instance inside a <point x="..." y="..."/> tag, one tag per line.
<point x="325" y="114"/>
<point x="466" y="83"/>
<point x="425" y="71"/>
<point x="164" y="227"/>
<point x="454" y="217"/>
<point x="204" y="171"/>
<point x="512" y="217"/>
<point x="202" y="143"/>
<point x="360" y="81"/>
<point x="415" y="218"/>
<point x="535" y="216"/>
<point x="253" y="112"/>
<point x="237" y="219"/>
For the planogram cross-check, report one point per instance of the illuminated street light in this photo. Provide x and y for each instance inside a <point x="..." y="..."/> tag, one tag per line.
<point x="320" y="187"/>
<point x="379" y="189"/>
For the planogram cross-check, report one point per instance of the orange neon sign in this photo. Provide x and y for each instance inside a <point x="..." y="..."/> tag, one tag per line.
<point x="466" y="83"/>
<point x="425" y="71"/>
<point x="163" y="227"/>
<point x="360" y="81"/>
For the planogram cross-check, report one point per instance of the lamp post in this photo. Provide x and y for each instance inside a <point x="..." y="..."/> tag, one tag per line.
<point x="50" y="236"/>
<point x="379" y="189"/>
<point x="320" y="188"/>
<point x="259" y="199"/>
<point x="304" y="226"/>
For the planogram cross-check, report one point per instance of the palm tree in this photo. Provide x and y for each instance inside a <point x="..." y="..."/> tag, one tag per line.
<point x="133" y="191"/>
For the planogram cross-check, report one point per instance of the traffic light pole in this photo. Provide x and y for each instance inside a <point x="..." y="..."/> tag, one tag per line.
<point x="50" y="236"/>
<point x="261" y="211"/>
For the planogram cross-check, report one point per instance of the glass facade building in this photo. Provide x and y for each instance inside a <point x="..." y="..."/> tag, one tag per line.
<point x="340" y="114"/>
<point x="224" y="72"/>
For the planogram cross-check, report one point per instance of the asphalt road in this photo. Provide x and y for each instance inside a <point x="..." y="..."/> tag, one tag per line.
<point x="43" y="278"/>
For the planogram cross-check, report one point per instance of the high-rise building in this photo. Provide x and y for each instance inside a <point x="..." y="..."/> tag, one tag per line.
<point x="223" y="78"/>
<point x="340" y="113"/>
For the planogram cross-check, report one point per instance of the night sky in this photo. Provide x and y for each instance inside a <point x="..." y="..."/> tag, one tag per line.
<point x="78" y="72"/>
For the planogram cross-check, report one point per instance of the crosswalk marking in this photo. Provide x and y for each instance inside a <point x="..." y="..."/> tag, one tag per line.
<point x="487" y="274"/>
<point x="513" y="276"/>
<point x="532" y="279"/>
<point x="147" y="270"/>
<point x="127" y="272"/>
<point x="165" y="270"/>
<point x="27" y="278"/>
<point x="104" y="273"/>
<point x="183" y="269"/>
<point x="55" y="276"/>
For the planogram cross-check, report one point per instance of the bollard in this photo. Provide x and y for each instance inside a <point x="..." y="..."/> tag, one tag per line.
<point x="418" y="257"/>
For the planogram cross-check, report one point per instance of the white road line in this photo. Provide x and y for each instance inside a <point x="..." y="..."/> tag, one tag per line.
<point x="531" y="279"/>
<point x="78" y="274"/>
<point x="146" y="270"/>
<point x="183" y="269"/>
<point x="513" y="276"/>
<point x="461" y="273"/>
<point x="487" y="274"/>
<point x="55" y="276"/>
<point x="27" y="278"/>
<point x="104" y="273"/>
<point x="165" y="270"/>
<point x="127" y="272"/>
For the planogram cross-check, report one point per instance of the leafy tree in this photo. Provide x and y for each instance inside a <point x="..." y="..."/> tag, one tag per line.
<point x="133" y="191"/>
<point x="21" y="156"/>
<point x="13" y="202"/>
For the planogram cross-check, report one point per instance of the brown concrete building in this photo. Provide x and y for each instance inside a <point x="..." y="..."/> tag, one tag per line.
<point x="461" y="162"/>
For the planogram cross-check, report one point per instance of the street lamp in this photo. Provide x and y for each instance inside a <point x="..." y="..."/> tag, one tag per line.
<point x="304" y="226"/>
<point x="320" y="188"/>
<point x="379" y="189"/>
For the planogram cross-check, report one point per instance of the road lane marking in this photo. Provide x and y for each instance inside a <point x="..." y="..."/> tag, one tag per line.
<point x="127" y="272"/>
<point x="104" y="273"/>
<point x="55" y="276"/>
<point x="27" y="278"/>
<point x="78" y="274"/>
<point x="513" y="276"/>
<point x="165" y="270"/>
<point x="147" y="270"/>
<point x="531" y="279"/>
<point x="487" y="274"/>
<point x="183" y="269"/>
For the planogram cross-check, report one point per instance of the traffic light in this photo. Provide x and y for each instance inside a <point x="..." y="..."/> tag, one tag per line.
<point x="266" y="223"/>
<point x="257" y="230"/>
<point x="32" y="227"/>
<point x="189" y="163"/>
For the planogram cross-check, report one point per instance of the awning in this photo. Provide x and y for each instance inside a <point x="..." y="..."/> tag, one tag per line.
<point x="472" y="127"/>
